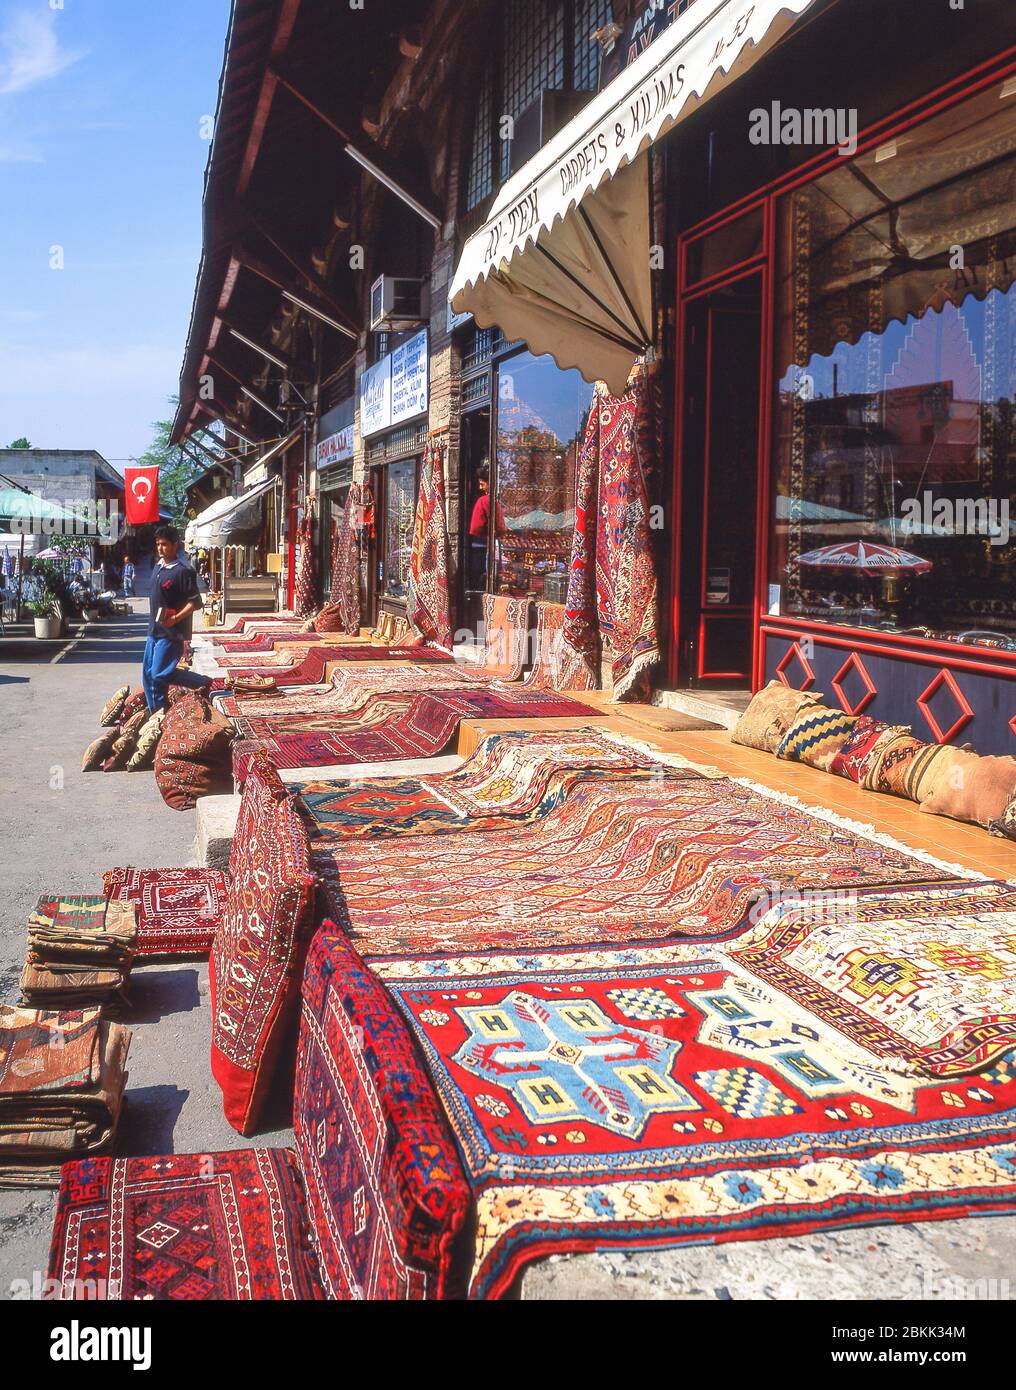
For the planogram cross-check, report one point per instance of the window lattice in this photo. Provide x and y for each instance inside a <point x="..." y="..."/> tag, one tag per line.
<point x="480" y="181"/>
<point x="590" y="15"/>
<point x="534" y="57"/>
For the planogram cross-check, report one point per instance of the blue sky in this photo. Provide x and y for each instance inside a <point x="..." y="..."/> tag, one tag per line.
<point x="101" y="153"/>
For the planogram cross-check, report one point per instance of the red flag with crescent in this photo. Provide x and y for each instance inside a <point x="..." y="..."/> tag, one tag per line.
<point x="142" y="495"/>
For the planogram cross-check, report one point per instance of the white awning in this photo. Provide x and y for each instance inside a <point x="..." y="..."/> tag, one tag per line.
<point x="256" y="472"/>
<point x="562" y="261"/>
<point x="225" y="517"/>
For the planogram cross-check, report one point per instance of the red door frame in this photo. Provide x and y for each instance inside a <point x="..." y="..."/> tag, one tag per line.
<point x="292" y="529"/>
<point x="951" y="93"/>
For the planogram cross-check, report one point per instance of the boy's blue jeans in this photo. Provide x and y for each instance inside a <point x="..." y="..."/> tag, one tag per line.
<point x="158" y="669"/>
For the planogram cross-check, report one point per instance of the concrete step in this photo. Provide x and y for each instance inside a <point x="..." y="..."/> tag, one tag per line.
<point x="723" y="707"/>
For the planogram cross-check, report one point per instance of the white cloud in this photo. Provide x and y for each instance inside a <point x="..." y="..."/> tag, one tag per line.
<point x="30" y="50"/>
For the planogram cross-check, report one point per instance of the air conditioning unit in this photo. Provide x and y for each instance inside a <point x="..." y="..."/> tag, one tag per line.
<point x="542" y="119"/>
<point x="397" y="302"/>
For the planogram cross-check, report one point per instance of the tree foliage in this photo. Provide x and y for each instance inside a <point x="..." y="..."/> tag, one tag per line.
<point x="22" y="442"/>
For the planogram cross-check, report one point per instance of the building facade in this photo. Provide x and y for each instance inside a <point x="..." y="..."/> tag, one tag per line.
<point x="803" y="213"/>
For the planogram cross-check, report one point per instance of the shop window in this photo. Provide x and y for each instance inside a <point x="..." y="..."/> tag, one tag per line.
<point x="397" y="528"/>
<point x="895" y="413"/>
<point x="541" y="417"/>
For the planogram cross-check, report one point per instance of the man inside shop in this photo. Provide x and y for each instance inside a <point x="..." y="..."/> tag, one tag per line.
<point x="173" y="598"/>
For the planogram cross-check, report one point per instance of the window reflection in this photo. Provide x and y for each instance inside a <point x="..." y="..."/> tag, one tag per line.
<point x="541" y="417"/>
<point x="400" y="513"/>
<point x="895" y="448"/>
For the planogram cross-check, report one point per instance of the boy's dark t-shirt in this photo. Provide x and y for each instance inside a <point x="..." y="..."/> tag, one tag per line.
<point x="174" y="586"/>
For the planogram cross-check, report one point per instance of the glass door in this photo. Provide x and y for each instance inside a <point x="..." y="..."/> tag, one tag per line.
<point x="719" y="483"/>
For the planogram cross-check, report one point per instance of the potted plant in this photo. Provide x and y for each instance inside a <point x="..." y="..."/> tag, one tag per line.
<point x="47" y="619"/>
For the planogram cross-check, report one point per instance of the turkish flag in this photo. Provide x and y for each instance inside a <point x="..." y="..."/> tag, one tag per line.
<point x="142" y="495"/>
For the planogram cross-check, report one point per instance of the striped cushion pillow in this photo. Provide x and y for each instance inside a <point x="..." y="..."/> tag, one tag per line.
<point x="816" y="736"/>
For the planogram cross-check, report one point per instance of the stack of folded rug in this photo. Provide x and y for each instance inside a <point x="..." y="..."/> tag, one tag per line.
<point x="62" y="1079"/>
<point x="80" y="949"/>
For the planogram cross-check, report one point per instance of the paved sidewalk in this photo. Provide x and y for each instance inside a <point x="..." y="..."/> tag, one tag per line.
<point x="59" y="828"/>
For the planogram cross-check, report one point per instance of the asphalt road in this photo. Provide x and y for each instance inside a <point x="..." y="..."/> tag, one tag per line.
<point x="59" y="829"/>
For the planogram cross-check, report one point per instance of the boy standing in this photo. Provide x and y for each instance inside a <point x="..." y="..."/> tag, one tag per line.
<point x="173" y="598"/>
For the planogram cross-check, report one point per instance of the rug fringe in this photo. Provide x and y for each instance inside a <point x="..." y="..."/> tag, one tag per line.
<point x="859" y="828"/>
<point x="637" y="745"/>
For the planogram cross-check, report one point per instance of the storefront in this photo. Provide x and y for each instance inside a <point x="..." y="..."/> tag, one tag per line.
<point x="333" y="459"/>
<point x="845" y="450"/>
<point x="829" y="286"/>
<point x="394" y="398"/>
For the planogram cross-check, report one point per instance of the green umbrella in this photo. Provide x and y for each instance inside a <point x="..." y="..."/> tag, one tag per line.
<point x="17" y="504"/>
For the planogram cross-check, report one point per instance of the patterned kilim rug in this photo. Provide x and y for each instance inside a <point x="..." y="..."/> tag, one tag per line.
<point x="611" y="863"/>
<point x="672" y="1094"/>
<point x="267" y="642"/>
<point x="349" y="688"/>
<point x="310" y="670"/>
<point x="511" y="779"/>
<point x="390" y="727"/>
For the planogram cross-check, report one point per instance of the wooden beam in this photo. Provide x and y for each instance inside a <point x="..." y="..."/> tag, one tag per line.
<point x="269" y="82"/>
<point x="312" y="289"/>
<point x="403" y="181"/>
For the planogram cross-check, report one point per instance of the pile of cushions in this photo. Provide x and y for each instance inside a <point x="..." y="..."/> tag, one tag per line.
<point x="62" y="1078"/>
<point x="371" y="1203"/>
<point x="130" y="738"/>
<point x="79" y="952"/>
<point x="887" y="758"/>
<point x="193" y="754"/>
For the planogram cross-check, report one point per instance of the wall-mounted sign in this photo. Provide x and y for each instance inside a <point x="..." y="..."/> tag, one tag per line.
<point x="335" y="448"/>
<point x="410" y="379"/>
<point x="376" y="397"/>
<point x="647" y="23"/>
<point x="396" y="388"/>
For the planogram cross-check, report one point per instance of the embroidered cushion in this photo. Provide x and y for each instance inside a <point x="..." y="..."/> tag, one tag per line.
<point x="1006" y="822"/>
<point x="816" y="736"/>
<point x="971" y="788"/>
<point x="178" y="910"/>
<point x="258" y="955"/>
<point x="855" y="754"/>
<point x="143" y="756"/>
<point x="99" y="750"/>
<point x="765" y="722"/>
<point x="891" y="763"/>
<point x="111" y="709"/>
<point x="262" y="790"/>
<point x="127" y="740"/>
<point x="193" y="755"/>
<point x="134" y="702"/>
<point x="184" y="1227"/>
<point x="385" y="1191"/>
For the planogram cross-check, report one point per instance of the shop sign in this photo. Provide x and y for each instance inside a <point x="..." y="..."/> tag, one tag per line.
<point x="376" y="397"/>
<point x="643" y="27"/>
<point x="410" y="379"/>
<point x="335" y="448"/>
